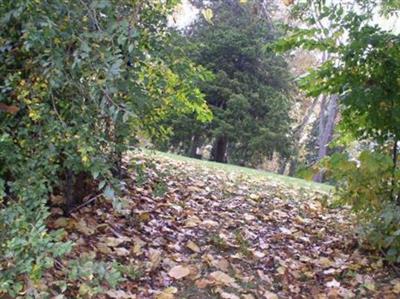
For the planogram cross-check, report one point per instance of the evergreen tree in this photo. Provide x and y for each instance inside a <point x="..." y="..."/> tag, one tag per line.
<point x="249" y="91"/>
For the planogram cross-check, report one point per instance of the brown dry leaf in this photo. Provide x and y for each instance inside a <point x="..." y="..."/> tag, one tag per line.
<point x="209" y="223"/>
<point x="84" y="228"/>
<point x="225" y="295"/>
<point x="137" y="245"/>
<point x="57" y="200"/>
<point x="155" y="258"/>
<point x="103" y="248"/>
<point x="121" y="251"/>
<point x="113" y="242"/>
<point x="258" y="254"/>
<point x="202" y="283"/>
<point x="192" y="221"/>
<point x="12" y="109"/>
<point x="193" y="246"/>
<point x="119" y="294"/>
<point x="325" y="262"/>
<point x="254" y="196"/>
<point x="270" y="295"/>
<point x="396" y="288"/>
<point x="221" y="264"/>
<point x="167" y="293"/>
<point x="222" y="278"/>
<point x="179" y="272"/>
<point x="61" y="222"/>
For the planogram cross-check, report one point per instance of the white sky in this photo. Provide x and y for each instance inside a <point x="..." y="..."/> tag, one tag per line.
<point x="186" y="13"/>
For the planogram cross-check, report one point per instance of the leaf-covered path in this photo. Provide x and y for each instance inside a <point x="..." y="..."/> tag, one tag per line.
<point x="186" y="231"/>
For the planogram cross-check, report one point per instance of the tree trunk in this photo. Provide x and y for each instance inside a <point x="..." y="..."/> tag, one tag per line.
<point x="195" y="143"/>
<point x="298" y="132"/>
<point x="328" y="113"/>
<point x="219" y="150"/>
<point x="395" y="154"/>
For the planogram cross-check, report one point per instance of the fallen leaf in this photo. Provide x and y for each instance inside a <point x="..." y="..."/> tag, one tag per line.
<point x="121" y="251"/>
<point x="225" y="295"/>
<point x="193" y="246"/>
<point x="222" y="278"/>
<point x="221" y="264"/>
<point x="258" y="254"/>
<point x="179" y="272"/>
<point x="167" y="293"/>
<point x="333" y="284"/>
<point x="396" y="288"/>
<point x="119" y="294"/>
<point x="155" y="258"/>
<point x="113" y="242"/>
<point x="103" y="248"/>
<point x="61" y="222"/>
<point x="202" y="283"/>
<point x="84" y="228"/>
<point x="192" y="221"/>
<point x="270" y="295"/>
<point x="325" y="262"/>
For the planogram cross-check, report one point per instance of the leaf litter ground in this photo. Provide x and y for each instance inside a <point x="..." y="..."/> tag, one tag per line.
<point x="187" y="231"/>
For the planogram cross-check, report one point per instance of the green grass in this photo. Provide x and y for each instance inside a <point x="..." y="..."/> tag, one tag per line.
<point x="258" y="174"/>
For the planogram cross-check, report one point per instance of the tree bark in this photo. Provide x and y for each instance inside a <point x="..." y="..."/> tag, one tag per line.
<point x="298" y="131"/>
<point x="193" y="147"/>
<point x="326" y="127"/>
<point x="219" y="150"/>
<point x="395" y="154"/>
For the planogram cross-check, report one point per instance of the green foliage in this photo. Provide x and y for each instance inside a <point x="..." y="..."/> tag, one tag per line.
<point x="367" y="185"/>
<point x="79" y="80"/>
<point x="362" y="67"/>
<point x="92" y="274"/>
<point x="248" y="94"/>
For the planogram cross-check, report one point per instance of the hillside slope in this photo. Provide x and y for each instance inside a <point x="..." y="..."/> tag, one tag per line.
<point x="187" y="230"/>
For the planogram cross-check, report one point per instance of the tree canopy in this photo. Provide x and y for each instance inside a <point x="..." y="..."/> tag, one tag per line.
<point x="249" y="93"/>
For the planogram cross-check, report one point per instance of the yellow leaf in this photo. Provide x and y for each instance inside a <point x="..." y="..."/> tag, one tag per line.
<point x="325" y="262"/>
<point x="167" y="293"/>
<point x="193" y="246"/>
<point x="396" y="288"/>
<point x="208" y="14"/>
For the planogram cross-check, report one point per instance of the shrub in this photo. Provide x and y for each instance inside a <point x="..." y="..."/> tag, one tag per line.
<point x="78" y="81"/>
<point x="370" y="186"/>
